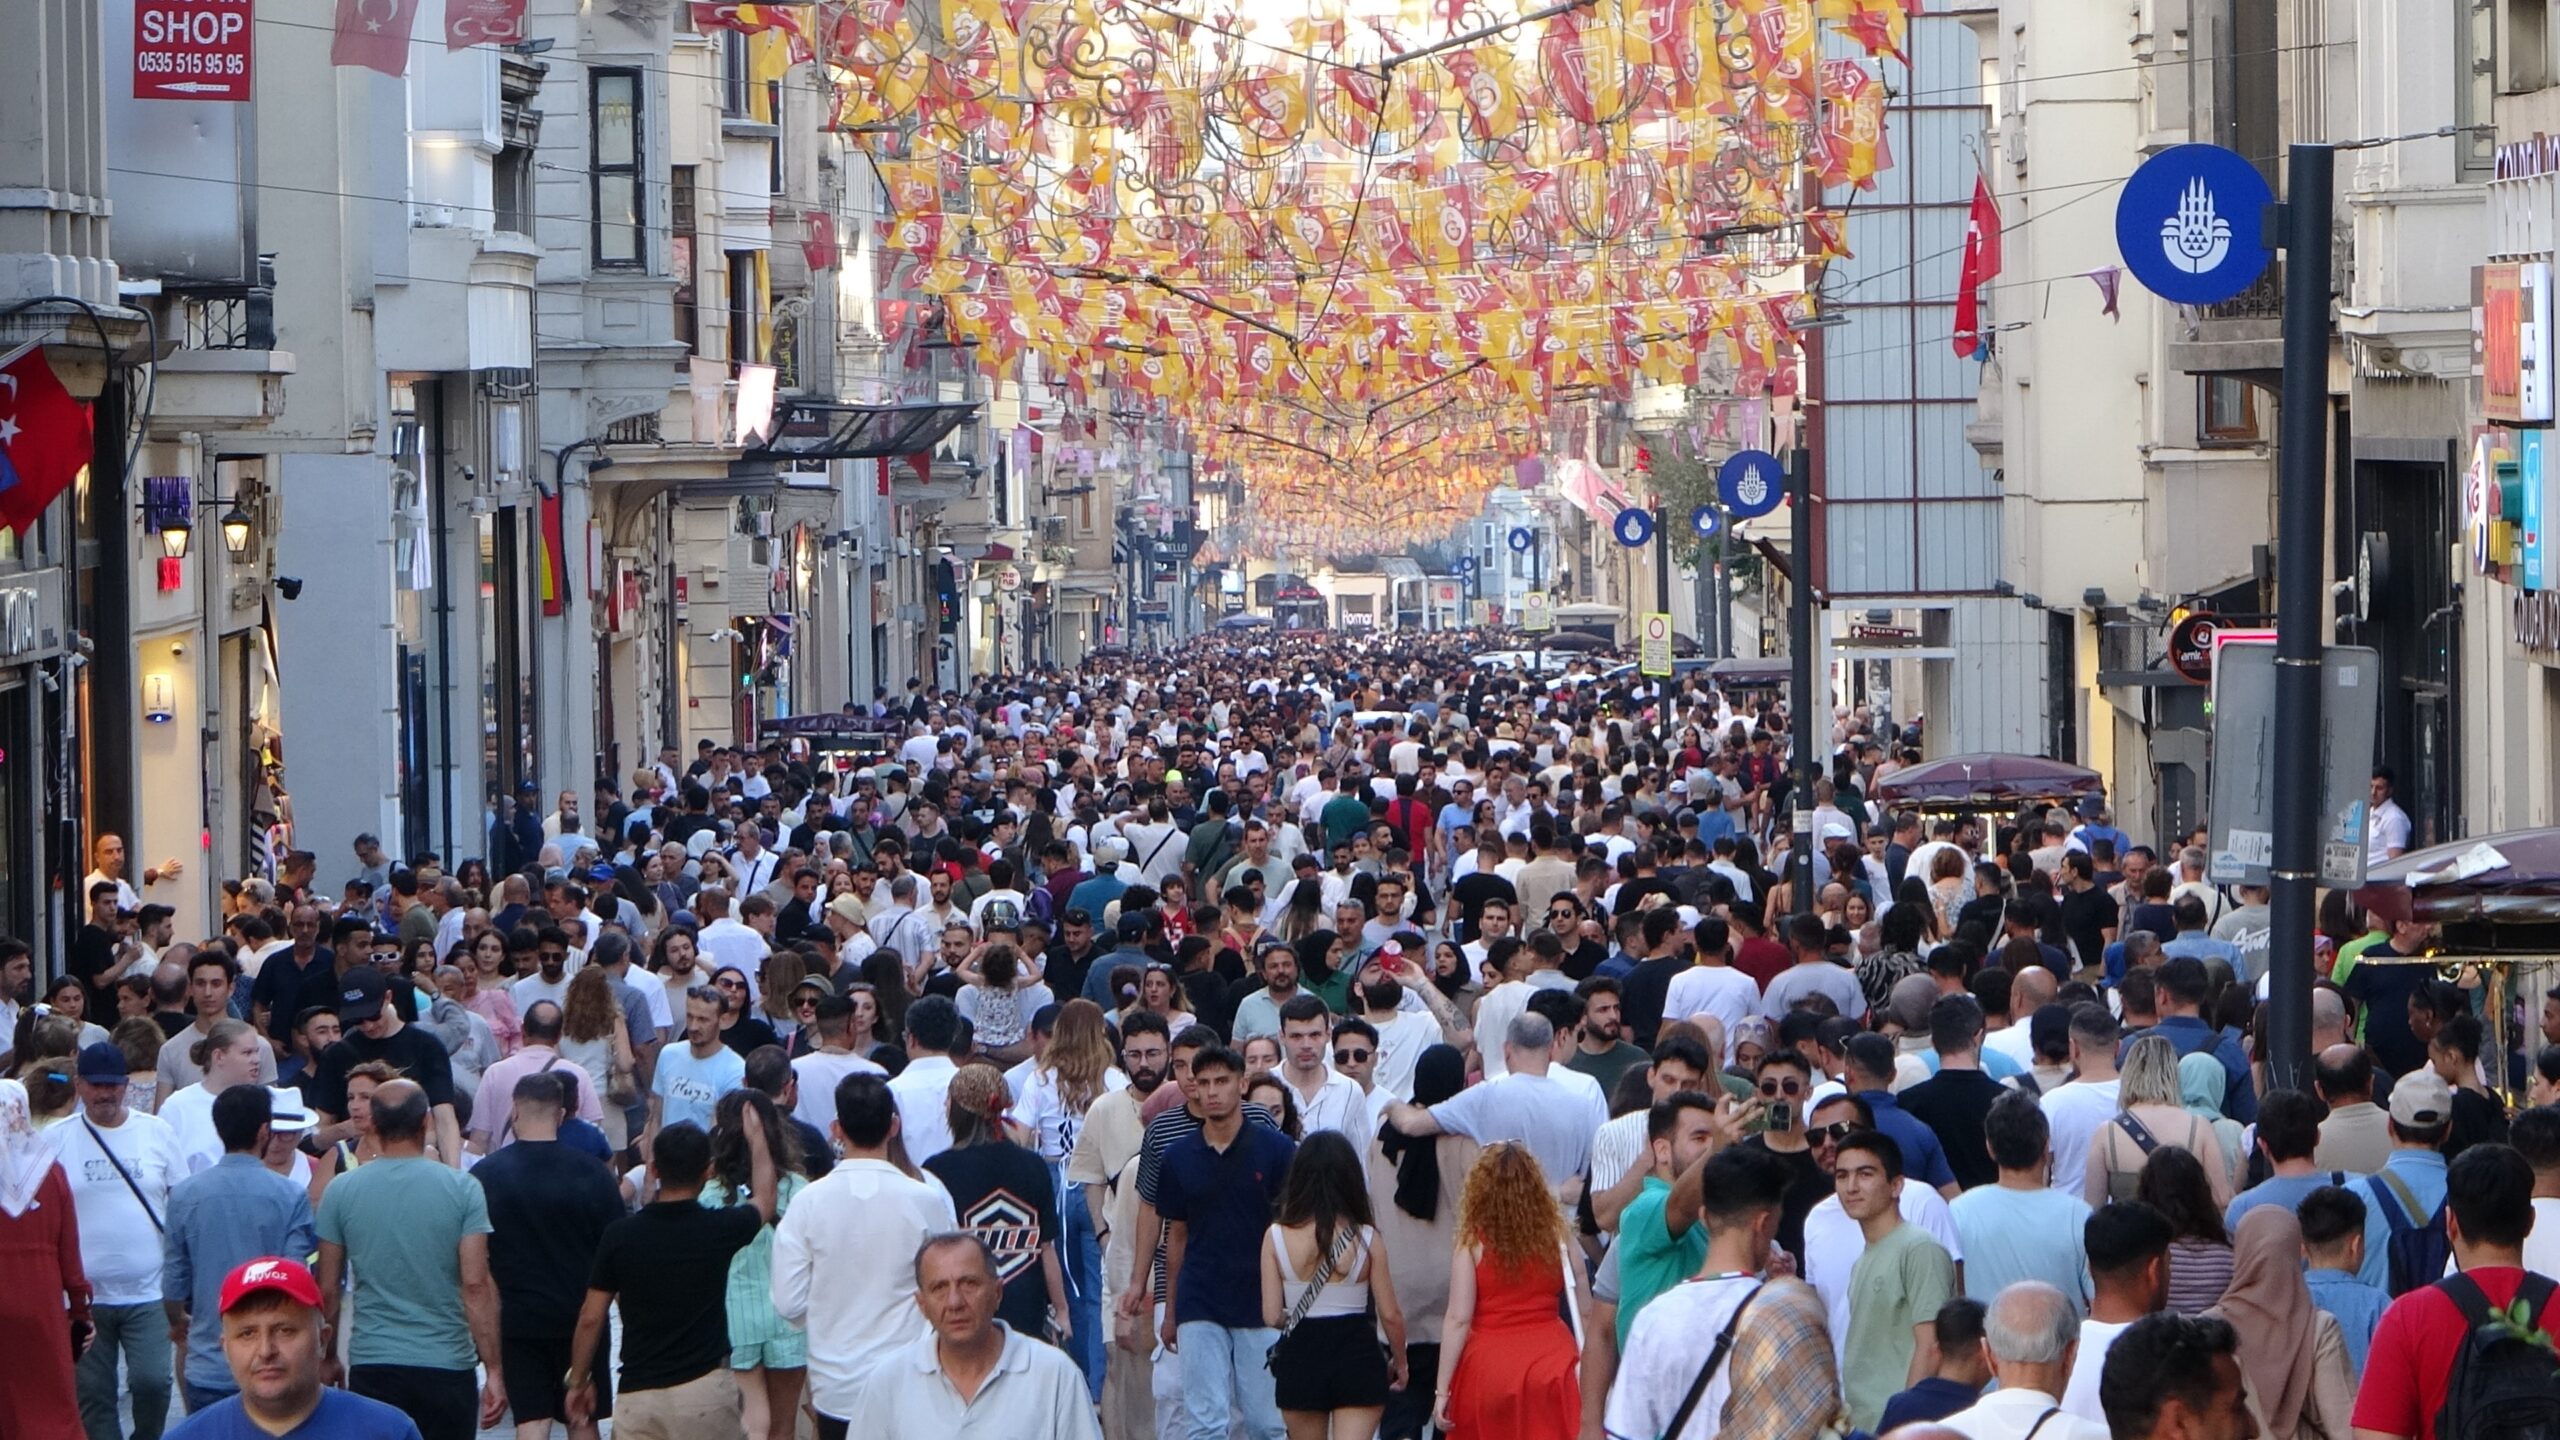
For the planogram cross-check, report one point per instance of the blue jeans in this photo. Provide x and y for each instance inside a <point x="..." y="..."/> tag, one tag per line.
<point x="197" y="1396"/>
<point x="1224" y="1380"/>
<point x="1082" y="1256"/>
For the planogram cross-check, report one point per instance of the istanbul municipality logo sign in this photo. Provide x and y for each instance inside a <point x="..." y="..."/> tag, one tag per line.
<point x="2189" y="224"/>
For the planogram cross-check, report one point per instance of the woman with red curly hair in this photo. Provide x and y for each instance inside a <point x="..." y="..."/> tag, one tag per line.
<point x="1507" y="1358"/>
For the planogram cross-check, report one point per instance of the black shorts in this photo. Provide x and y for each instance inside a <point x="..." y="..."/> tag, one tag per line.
<point x="444" y="1404"/>
<point x="534" y="1368"/>
<point x="1334" y="1363"/>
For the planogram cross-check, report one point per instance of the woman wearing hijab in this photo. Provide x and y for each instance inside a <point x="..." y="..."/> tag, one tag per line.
<point x="1413" y="1193"/>
<point x="2201" y="1081"/>
<point x="2292" y="1352"/>
<point x="40" y="1253"/>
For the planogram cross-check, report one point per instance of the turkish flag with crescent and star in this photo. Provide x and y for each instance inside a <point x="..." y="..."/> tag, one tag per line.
<point x="374" y="34"/>
<point x="44" y="437"/>
<point x="1981" y="262"/>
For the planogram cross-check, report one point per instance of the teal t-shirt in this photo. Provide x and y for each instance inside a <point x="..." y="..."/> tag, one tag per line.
<point x="1650" y="1260"/>
<point x="402" y="1221"/>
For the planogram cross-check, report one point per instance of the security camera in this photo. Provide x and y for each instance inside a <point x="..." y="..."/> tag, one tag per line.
<point x="470" y="476"/>
<point x="289" y="587"/>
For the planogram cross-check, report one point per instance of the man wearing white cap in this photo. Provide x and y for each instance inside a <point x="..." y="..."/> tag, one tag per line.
<point x="222" y="1218"/>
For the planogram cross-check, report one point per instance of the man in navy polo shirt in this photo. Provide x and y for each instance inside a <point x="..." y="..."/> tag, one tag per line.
<point x="1215" y="1193"/>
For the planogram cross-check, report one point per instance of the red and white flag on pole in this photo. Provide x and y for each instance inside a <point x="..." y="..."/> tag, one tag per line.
<point x="374" y="34"/>
<point x="44" y="437"/>
<point x="1981" y="262"/>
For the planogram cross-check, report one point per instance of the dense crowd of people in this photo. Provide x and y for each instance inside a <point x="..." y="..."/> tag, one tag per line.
<point x="1310" y="1036"/>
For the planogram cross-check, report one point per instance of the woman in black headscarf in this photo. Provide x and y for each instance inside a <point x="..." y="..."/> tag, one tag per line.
<point x="1413" y="1191"/>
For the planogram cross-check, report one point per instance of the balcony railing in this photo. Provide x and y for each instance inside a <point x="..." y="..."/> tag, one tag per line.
<point x="2261" y="301"/>
<point x="227" y="317"/>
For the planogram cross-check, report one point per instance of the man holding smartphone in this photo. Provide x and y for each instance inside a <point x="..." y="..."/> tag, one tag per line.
<point x="1786" y="1085"/>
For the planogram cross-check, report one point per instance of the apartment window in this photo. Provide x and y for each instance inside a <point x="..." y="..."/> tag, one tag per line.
<point x="614" y="122"/>
<point x="735" y="82"/>
<point x="2475" y="87"/>
<point x="773" y="109"/>
<point x="2526" y="52"/>
<point x="688" y="307"/>
<point x="742" y="307"/>
<point x="512" y="184"/>
<point x="2227" y="411"/>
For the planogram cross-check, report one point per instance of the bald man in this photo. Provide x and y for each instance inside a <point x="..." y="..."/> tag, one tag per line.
<point x="2028" y="991"/>
<point x="2356" y="1135"/>
<point x="2031" y="1335"/>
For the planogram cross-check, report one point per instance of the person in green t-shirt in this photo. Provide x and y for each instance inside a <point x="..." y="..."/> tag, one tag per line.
<point x="1896" y="1287"/>
<point x="1661" y="1238"/>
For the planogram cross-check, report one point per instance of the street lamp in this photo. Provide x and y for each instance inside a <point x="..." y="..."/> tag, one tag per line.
<point x="235" y="532"/>
<point x="175" y="532"/>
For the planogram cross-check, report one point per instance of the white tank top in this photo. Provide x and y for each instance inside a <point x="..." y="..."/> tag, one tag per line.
<point x="1338" y="1297"/>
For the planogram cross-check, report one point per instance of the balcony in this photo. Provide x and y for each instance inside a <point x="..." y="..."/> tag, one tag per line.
<point x="2243" y="336"/>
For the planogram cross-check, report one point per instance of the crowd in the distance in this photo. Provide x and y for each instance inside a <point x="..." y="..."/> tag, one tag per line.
<point x="1311" y="1036"/>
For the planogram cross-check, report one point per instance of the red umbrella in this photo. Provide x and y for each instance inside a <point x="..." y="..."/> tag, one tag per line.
<point x="1988" y="781"/>
<point x="2521" y="887"/>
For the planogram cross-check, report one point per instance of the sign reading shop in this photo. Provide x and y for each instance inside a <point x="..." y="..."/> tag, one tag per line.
<point x="2512" y="340"/>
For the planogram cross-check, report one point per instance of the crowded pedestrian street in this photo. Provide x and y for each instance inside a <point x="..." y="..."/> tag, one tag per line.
<point x="1279" y="720"/>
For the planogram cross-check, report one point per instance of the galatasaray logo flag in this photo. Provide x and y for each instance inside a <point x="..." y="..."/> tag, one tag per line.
<point x="44" y="437"/>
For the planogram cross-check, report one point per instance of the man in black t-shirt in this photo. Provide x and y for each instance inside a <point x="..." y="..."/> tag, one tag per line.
<point x="2089" y="913"/>
<point x="668" y="1266"/>
<point x="375" y="1031"/>
<point x="1954" y="1101"/>
<point x="549" y="1207"/>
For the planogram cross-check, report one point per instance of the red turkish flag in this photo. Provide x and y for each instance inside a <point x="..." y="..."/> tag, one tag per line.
<point x="818" y="247"/>
<point x="1981" y="262"/>
<point x="374" y="34"/>
<point x="44" y="438"/>
<point x="482" y="22"/>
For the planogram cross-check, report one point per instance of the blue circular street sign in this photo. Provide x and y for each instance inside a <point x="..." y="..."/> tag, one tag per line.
<point x="1522" y="537"/>
<point x="1466" y="565"/>
<point x="2188" y="224"/>
<point x="1704" y="520"/>
<point x="1751" y="483"/>
<point x="1633" y="527"/>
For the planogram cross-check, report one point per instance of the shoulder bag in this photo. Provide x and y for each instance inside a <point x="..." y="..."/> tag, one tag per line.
<point x="124" y="1175"/>
<point x="1342" y="1239"/>
<point x="1707" y="1371"/>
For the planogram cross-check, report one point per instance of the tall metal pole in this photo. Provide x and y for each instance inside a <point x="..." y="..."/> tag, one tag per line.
<point x="1661" y="559"/>
<point x="1802" y="753"/>
<point x="2301" y="475"/>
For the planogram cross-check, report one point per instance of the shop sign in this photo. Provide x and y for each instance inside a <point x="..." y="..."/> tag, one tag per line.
<point x="2535" y="616"/>
<point x="2513" y="341"/>
<point x="30" y="615"/>
<point x="191" y="49"/>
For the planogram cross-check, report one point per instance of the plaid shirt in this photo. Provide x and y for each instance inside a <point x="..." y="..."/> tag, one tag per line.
<point x="1784" y="1383"/>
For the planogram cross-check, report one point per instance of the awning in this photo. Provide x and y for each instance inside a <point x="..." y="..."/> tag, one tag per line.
<point x="823" y="430"/>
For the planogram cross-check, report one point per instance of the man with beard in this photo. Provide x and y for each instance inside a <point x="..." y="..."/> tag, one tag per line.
<point x="1103" y="1163"/>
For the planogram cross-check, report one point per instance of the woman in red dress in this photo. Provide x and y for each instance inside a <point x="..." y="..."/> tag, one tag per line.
<point x="47" y="1297"/>
<point x="1508" y="1361"/>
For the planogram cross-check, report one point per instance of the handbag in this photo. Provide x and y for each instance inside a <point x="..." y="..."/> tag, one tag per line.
<point x="1307" y="1298"/>
<point x="622" y="1078"/>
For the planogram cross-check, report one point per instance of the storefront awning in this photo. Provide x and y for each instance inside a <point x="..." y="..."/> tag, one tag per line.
<point x="824" y="430"/>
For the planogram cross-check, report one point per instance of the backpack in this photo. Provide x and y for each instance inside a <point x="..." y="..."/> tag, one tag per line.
<point x="2417" y="1253"/>
<point x="2505" y="1383"/>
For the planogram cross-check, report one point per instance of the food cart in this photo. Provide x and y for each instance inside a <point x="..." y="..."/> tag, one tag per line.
<point x="2495" y="903"/>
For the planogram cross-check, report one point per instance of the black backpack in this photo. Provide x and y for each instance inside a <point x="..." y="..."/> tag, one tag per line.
<point x="2505" y="1383"/>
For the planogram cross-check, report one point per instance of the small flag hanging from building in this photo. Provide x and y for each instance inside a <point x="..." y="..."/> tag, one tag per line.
<point x="482" y="22"/>
<point x="374" y="34"/>
<point x="44" y="437"/>
<point x="553" y="559"/>
<point x="1981" y="263"/>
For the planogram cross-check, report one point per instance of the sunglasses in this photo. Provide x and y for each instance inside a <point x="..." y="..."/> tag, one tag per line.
<point x="1352" y="1057"/>
<point x="1833" y="1133"/>
<point x="730" y="984"/>
<point x="1774" y="1088"/>
<point x="805" y="1002"/>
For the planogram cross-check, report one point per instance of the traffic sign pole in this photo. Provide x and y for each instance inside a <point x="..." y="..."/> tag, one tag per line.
<point x="1804" y="714"/>
<point x="2301" y="528"/>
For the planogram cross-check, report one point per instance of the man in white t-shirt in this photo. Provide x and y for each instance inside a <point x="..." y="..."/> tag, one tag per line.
<point x="2031" y="1333"/>
<point x="2387" y="833"/>
<point x="121" y="1164"/>
<point x="2128" y="1248"/>
<point x="822" y="1069"/>
<point x="1712" y="986"/>
<point x="2078" y="1110"/>
<point x="551" y="981"/>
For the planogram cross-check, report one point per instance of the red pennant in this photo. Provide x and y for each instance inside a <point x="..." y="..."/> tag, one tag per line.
<point x="374" y="34"/>
<point x="44" y="438"/>
<point x="553" y="561"/>
<point x="818" y="247"/>
<point x="482" y="22"/>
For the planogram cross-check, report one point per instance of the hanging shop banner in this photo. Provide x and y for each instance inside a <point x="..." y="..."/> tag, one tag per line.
<point x="2513" y="341"/>
<point x="192" y="49"/>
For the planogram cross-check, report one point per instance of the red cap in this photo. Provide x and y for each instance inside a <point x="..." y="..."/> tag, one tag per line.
<point x="270" y="1272"/>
